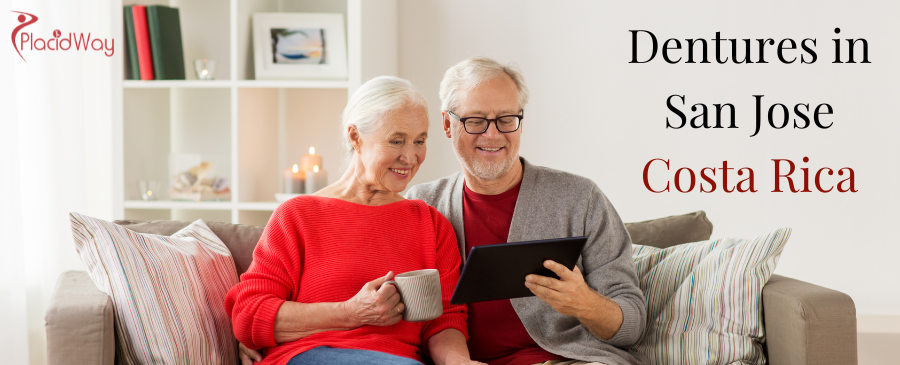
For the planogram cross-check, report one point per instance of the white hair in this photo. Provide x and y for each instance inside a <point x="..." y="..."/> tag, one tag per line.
<point x="375" y="99"/>
<point x="473" y="71"/>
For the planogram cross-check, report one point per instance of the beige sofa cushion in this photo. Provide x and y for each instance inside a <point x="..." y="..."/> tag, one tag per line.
<point x="242" y="239"/>
<point x="671" y="231"/>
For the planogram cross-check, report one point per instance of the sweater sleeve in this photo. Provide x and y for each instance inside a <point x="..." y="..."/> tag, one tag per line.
<point x="447" y="262"/>
<point x="269" y="281"/>
<point x="609" y="267"/>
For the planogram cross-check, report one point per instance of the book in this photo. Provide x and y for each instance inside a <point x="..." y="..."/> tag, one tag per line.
<point x="133" y="69"/>
<point x="142" y="40"/>
<point x="165" y="41"/>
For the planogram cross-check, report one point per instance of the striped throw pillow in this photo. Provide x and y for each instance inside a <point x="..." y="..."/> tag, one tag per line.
<point x="169" y="292"/>
<point x="704" y="299"/>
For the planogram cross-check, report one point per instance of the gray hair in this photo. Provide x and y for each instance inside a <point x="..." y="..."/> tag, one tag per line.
<point x="473" y="71"/>
<point x="375" y="99"/>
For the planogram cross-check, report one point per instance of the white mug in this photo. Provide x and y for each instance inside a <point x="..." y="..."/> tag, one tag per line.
<point x="420" y="292"/>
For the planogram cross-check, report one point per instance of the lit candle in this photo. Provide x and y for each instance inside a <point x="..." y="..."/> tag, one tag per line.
<point x="149" y="189"/>
<point x="316" y="180"/>
<point x="293" y="180"/>
<point x="205" y="69"/>
<point x="309" y="160"/>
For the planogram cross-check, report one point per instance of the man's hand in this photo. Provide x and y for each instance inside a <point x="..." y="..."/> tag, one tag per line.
<point x="375" y="304"/>
<point x="570" y="296"/>
<point x="248" y="356"/>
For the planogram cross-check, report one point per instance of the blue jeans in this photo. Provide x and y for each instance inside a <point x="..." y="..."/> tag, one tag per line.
<point x="333" y="356"/>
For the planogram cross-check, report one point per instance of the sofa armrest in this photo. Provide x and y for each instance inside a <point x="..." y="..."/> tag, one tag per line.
<point x="80" y="322"/>
<point x="808" y="324"/>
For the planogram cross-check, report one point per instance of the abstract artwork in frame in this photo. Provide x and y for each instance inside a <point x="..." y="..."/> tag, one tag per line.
<point x="304" y="46"/>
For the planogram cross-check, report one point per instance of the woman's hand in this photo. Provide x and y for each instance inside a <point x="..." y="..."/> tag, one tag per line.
<point x="248" y="356"/>
<point x="375" y="304"/>
<point x="465" y="362"/>
<point x="448" y="347"/>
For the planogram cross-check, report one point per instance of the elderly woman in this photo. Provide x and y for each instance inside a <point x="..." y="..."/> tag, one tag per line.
<point x="314" y="292"/>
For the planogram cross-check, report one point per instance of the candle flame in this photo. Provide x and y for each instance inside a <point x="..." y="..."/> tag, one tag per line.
<point x="149" y="193"/>
<point x="204" y="72"/>
<point x="295" y="168"/>
<point x="312" y="151"/>
<point x="316" y="168"/>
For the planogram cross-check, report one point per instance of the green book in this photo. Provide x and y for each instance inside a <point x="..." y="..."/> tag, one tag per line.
<point x="133" y="69"/>
<point x="164" y="26"/>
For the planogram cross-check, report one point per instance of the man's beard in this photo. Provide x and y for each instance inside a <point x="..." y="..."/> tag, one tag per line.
<point x="481" y="169"/>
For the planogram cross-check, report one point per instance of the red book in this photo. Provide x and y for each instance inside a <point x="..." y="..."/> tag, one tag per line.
<point x="142" y="38"/>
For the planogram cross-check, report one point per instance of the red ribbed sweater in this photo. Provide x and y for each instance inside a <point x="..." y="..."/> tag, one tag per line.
<point x="317" y="249"/>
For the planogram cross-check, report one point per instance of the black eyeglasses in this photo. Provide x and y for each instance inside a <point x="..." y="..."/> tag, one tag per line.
<point x="478" y="125"/>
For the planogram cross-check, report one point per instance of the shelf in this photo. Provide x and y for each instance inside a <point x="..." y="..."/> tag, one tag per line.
<point x="294" y="84"/>
<point x="168" y="204"/>
<point x="263" y="206"/>
<point x="164" y="84"/>
<point x="212" y="84"/>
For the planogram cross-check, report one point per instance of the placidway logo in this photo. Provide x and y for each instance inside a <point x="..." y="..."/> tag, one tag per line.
<point x="81" y="42"/>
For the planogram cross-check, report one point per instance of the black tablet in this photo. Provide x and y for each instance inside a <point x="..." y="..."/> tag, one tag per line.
<point x="498" y="271"/>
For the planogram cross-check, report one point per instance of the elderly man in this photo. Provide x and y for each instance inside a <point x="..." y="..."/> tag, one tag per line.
<point x="596" y="311"/>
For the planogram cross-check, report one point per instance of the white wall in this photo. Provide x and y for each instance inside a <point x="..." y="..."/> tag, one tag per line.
<point x="56" y="156"/>
<point x="594" y="114"/>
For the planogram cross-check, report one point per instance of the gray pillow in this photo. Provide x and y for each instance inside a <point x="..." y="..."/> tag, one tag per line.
<point x="670" y="231"/>
<point x="240" y="239"/>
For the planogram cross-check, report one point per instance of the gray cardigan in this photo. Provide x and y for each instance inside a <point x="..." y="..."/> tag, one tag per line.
<point x="555" y="204"/>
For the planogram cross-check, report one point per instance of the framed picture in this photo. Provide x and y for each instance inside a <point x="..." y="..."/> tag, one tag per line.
<point x="308" y="46"/>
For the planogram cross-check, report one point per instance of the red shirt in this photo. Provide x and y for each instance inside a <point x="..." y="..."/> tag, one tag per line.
<point x="496" y="334"/>
<point x="317" y="249"/>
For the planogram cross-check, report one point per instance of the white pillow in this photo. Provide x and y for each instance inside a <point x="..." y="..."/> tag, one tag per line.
<point x="169" y="292"/>
<point x="704" y="299"/>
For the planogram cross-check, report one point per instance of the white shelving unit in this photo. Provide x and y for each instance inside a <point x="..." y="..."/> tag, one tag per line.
<point x="249" y="129"/>
<point x="213" y="205"/>
<point x="196" y="84"/>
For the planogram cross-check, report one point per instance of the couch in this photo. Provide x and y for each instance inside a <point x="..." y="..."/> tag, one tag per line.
<point x="805" y="323"/>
